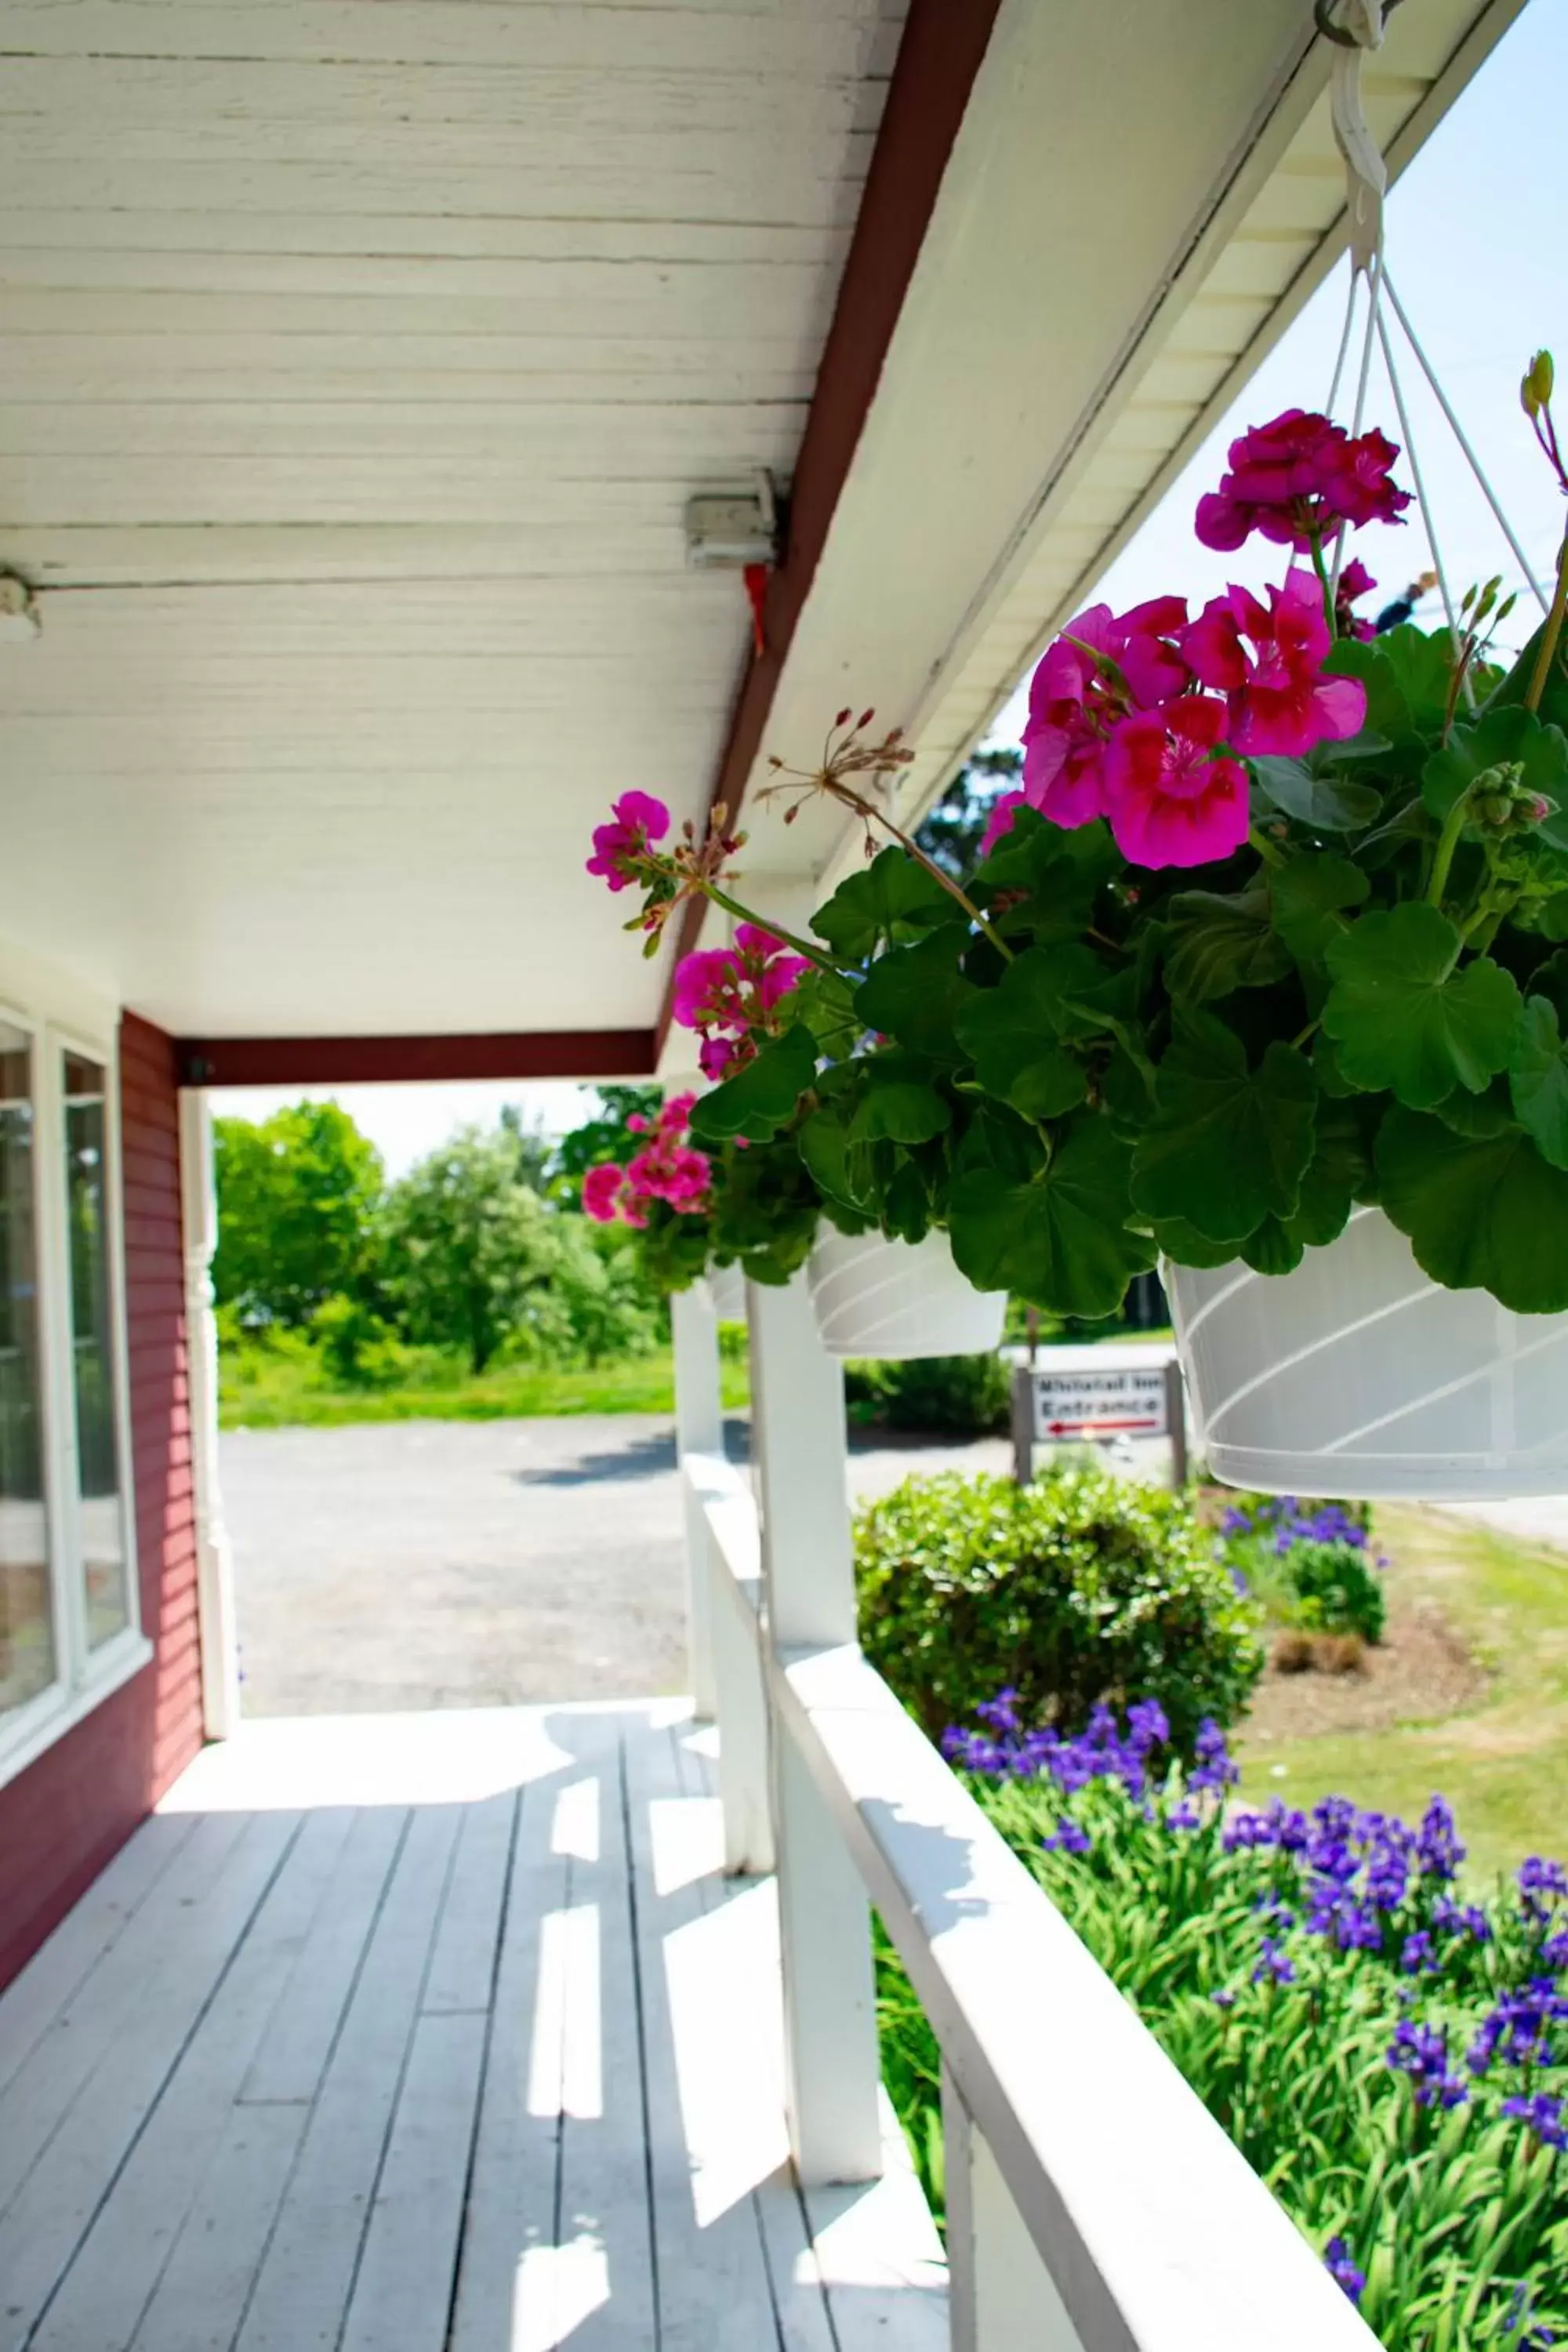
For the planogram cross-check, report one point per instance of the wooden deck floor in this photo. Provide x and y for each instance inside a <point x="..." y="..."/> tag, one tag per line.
<point x="429" y="2033"/>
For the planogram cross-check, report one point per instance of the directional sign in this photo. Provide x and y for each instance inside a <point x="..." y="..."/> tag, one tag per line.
<point x="1098" y="1405"/>
<point x="1096" y="1395"/>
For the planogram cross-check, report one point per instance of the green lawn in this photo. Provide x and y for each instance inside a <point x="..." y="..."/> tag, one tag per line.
<point x="272" y="1389"/>
<point x="1503" y="1763"/>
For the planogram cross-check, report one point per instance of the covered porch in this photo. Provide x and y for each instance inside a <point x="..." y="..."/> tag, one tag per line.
<point x="366" y="359"/>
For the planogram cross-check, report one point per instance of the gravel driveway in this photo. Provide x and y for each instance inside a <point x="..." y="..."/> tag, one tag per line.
<point x="446" y="1563"/>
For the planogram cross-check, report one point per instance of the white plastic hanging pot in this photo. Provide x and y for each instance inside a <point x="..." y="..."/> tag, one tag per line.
<point x="1357" y="1375"/>
<point x="879" y="1297"/>
<point x="727" y="1288"/>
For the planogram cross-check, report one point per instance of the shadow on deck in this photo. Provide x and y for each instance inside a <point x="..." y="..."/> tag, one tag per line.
<point x="431" y="2034"/>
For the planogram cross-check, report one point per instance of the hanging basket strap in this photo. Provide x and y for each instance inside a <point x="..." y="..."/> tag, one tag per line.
<point x="1355" y="27"/>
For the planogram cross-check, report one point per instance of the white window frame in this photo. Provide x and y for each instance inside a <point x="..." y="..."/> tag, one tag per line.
<point x="83" y="1678"/>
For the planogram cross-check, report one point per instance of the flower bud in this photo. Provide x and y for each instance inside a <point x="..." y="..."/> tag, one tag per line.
<point x="1536" y="390"/>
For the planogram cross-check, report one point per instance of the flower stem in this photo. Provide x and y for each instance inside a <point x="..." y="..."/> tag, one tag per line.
<point x="1550" y="634"/>
<point x="1324" y="583"/>
<point x="1448" y="842"/>
<point x="767" y="923"/>
<point x="1267" y="850"/>
<point x="869" y="813"/>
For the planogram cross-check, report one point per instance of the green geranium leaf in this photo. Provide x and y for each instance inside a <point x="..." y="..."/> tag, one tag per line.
<point x="1551" y="980"/>
<point x="1060" y="1241"/>
<point x="1335" y="1180"/>
<point x="1501" y="738"/>
<point x="892" y="900"/>
<point x="995" y="1136"/>
<point x="1011" y="1031"/>
<point x="761" y="1099"/>
<point x="898" y="1105"/>
<point x="1480" y="1215"/>
<point x="1063" y="873"/>
<point x="823" y="1146"/>
<point x="1515" y="685"/>
<point x="1488" y="1113"/>
<point x="1272" y="1248"/>
<point x="916" y="994"/>
<point x="1406" y="1018"/>
<point x="1217" y="944"/>
<point x="1174" y="1238"/>
<point x="826" y="1003"/>
<point x="1538" y="1081"/>
<point x="1327" y="804"/>
<point x="1228" y="1144"/>
<point x="1309" y="897"/>
<point x="1387" y="711"/>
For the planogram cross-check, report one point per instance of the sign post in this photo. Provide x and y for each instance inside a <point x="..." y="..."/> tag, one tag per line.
<point x="1084" y="1397"/>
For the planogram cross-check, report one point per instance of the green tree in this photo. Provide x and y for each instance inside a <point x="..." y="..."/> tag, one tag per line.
<point x="604" y="1303"/>
<point x="471" y="1249"/>
<point x="297" y="1196"/>
<point x="952" y="832"/>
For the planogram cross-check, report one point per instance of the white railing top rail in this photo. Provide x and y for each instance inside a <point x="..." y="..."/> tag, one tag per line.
<point x="1158" y="2234"/>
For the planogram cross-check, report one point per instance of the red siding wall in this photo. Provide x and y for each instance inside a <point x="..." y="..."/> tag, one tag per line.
<point x="62" y="1819"/>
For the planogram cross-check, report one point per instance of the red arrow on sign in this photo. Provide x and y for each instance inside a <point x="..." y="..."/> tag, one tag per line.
<point x="1061" y="1428"/>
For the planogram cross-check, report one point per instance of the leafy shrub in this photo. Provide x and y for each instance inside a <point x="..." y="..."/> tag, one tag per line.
<point x="356" y="1347"/>
<point x="1336" y="1590"/>
<point x="1080" y="1588"/>
<point x="1310" y="1563"/>
<point x="1391" y="2059"/>
<point x="964" y="1396"/>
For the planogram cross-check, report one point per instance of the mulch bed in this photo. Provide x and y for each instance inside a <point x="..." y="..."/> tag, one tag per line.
<point x="1420" y="1672"/>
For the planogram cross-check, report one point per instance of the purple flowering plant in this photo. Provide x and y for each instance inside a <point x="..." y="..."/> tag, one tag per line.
<point x="1387" y="2046"/>
<point x="1312" y="1564"/>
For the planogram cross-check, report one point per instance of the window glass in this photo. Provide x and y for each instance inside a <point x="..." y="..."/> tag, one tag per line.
<point x="27" y="1654"/>
<point x="92" y="1350"/>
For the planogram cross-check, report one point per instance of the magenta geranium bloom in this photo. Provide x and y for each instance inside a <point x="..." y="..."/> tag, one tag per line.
<point x="999" y="823"/>
<point x="1173" y="796"/>
<point x="602" y="1192"/>
<point x="1103" y="666"/>
<point x="1268" y="659"/>
<point x="637" y="822"/>
<point x="1355" y="481"/>
<point x="1298" y="479"/>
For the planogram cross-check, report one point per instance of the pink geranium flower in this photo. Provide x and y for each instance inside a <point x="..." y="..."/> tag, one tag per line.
<point x="1296" y="479"/>
<point x="999" y="823"/>
<point x="1355" y="482"/>
<point x="1355" y="582"/>
<point x="602" y="1192"/>
<point x="1099" y="668"/>
<point x="638" y="820"/>
<point x="1268" y="660"/>
<point x="732" y="995"/>
<point x="1174" y="797"/>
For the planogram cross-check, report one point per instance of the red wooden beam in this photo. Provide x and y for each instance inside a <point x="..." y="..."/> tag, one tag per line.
<point x="939" y="56"/>
<point x="369" y="1061"/>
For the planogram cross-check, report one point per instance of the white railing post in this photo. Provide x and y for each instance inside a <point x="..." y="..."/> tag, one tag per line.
<point x="699" y="1429"/>
<point x="1000" y="2293"/>
<point x="830" y="2015"/>
<point x="214" y="1565"/>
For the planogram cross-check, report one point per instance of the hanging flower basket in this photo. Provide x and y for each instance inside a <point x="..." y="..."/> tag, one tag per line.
<point x="1260" y="973"/>
<point x="1358" y="1374"/>
<point x="889" y="1299"/>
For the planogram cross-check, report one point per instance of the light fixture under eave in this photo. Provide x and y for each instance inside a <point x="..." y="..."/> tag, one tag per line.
<point x="19" y="615"/>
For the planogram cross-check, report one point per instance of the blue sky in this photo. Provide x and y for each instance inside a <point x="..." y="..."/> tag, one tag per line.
<point x="1476" y="239"/>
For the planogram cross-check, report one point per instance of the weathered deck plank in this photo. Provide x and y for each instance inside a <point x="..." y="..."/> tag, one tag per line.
<point x="474" y="2048"/>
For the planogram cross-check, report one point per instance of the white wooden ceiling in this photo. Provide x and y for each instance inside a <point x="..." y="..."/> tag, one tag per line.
<point x="357" y="358"/>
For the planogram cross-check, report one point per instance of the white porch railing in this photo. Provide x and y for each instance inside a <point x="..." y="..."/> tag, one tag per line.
<point x="1093" y="2204"/>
